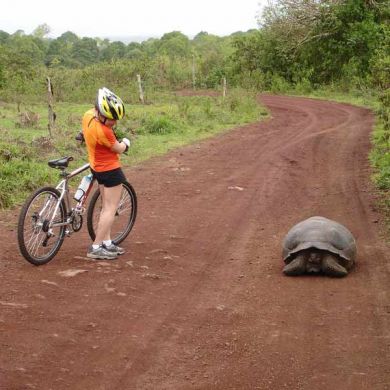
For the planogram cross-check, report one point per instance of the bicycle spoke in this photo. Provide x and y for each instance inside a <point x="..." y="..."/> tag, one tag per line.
<point x="31" y="243"/>
<point x="124" y="199"/>
<point x="38" y="239"/>
<point x="121" y="211"/>
<point x="122" y="215"/>
<point x="38" y="243"/>
<point x="34" y="242"/>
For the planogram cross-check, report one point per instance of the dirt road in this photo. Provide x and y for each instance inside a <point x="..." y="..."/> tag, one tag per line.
<point x="199" y="300"/>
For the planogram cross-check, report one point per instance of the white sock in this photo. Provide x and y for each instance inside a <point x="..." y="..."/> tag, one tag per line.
<point x="94" y="246"/>
<point x="107" y="242"/>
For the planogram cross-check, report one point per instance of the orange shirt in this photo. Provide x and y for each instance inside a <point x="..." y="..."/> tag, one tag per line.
<point x="99" y="140"/>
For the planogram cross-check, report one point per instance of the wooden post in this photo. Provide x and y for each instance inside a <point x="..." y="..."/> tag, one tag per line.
<point x="224" y="87"/>
<point x="52" y="115"/>
<point x="141" y="92"/>
<point x="193" y="73"/>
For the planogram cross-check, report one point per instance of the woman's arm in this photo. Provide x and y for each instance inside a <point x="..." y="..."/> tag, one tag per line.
<point x="119" y="147"/>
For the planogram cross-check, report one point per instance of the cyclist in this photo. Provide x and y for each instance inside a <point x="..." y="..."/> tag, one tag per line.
<point x="103" y="153"/>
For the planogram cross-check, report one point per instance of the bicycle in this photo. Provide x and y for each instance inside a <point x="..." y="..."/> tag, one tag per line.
<point x="47" y="216"/>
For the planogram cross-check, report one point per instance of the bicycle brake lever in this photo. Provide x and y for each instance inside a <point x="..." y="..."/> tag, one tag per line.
<point x="80" y="137"/>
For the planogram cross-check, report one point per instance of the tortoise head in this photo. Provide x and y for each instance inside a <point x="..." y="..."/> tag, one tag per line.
<point x="313" y="260"/>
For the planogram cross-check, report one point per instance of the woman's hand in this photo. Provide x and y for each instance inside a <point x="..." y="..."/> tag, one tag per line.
<point x="126" y="141"/>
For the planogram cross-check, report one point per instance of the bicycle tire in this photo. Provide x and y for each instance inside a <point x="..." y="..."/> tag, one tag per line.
<point x="26" y="214"/>
<point x="94" y="211"/>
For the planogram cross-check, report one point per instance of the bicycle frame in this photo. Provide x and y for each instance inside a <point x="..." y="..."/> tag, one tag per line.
<point x="63" y="187"/>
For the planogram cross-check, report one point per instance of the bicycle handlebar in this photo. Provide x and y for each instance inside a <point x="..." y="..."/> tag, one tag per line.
<point x="80" y="137"/>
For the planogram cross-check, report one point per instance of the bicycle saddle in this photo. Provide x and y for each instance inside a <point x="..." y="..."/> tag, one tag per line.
<point x="60" y="163"/>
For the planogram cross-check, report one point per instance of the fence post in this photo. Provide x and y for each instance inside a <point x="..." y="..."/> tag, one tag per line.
<point x="193" y="73"/>
<point x="141" y="92"/>
<point x="224" y="87"/>
<point x="51" y="113"/>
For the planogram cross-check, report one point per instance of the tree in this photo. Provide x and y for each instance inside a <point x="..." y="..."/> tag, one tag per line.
<point x="134" y="50"/>
<point x="69" y="38"/>
<point x="85" y="51"/>
<point x="3" y="36"/>
<point x="18" y="33"/>
<point x="324" y="40"/>
<point x="41" y="31"/>
<point x="175" y="44"/>
<point x="113" y="51"/>
<point x="20" y="64"/>
<point x="211" y="54"/>
<point x="27" y="48"/>
<point x="59" y="52"/>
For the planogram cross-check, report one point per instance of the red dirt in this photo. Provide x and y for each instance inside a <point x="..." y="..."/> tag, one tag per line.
<point x="199" y="300"/>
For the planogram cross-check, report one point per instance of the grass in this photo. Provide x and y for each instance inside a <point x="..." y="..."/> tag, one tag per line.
<point x="169" y="122"/>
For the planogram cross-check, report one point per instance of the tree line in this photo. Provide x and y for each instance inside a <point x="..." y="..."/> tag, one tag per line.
<point x="299" y="43"/>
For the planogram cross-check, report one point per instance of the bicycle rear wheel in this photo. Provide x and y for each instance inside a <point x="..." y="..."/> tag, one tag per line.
<point x="38" y="242"/>
<point x="124" y="216"/>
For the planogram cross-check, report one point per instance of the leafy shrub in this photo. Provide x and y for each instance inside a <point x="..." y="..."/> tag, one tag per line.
<point x="384" y="109"/>
<point x="157" y="125"/>
<point x="18" y="178"/>
<point x="242" y="103"/>
<point x="255" y="80"/>
<point x="184" y="107"/>
<point x="207" y="107"/>
<point x="233" y="102"/>
<point x="279" y="84"/>
<point x="382" y="176"/>
<point x="303" y="86"/>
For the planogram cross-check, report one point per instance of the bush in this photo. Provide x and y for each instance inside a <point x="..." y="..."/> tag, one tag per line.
<point x="382" y="176"/>
<point x="207" y="108"/>
<point x="279" y="84"/>
<point x="303" y="86"/>
<point x="18" y="178"/>
<point x="157" y="125"/>
<point x="255" y="80"/>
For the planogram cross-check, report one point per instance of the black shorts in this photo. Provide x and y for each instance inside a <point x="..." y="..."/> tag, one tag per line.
<point x="110" y="178"/>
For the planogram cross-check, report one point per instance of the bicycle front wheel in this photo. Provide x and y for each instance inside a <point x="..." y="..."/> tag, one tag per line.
<point x="38" y="240"/>
<point x="124" y="216"/>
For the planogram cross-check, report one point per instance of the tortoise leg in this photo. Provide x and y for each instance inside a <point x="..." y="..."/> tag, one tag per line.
<point x="331" y="267"/>
<point x="296" y="267"/>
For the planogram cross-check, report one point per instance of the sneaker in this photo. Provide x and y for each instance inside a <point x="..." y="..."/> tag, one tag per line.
<point x="101" y="253"/>
<point x="114" y="249"/>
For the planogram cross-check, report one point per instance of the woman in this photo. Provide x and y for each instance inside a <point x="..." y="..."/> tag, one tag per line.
<point x="103" y="153"/>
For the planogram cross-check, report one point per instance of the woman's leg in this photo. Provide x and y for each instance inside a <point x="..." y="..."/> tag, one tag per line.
<point x="110" y="199"/>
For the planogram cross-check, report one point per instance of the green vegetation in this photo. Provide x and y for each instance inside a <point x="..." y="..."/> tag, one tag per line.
<point x="154" y="129"/>
<point x="380" y="154"/>
<point x="302" y="46"/>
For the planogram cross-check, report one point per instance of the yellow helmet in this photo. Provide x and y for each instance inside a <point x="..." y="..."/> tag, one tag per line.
<point x="109" y="105"/>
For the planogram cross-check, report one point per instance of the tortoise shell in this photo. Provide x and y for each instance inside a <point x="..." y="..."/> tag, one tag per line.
<point x="320" y="233"/>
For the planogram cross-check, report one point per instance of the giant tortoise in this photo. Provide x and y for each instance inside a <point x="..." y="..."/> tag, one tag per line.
<point x="317" y="245"/>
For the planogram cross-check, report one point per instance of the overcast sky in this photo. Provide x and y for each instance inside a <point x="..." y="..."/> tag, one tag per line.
<point x="98" y="18"/>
